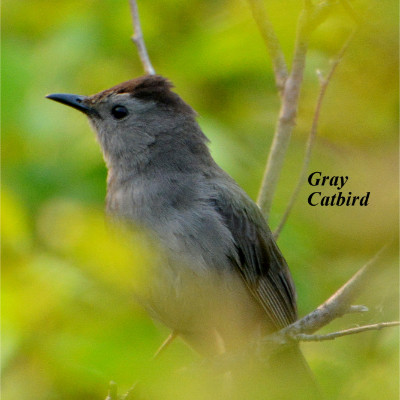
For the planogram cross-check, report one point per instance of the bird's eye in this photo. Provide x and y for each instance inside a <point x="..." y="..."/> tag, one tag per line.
<point x="119" y="112"/>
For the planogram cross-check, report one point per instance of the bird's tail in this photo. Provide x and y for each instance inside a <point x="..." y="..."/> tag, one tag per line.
<point x="286" y="376"/>
<point x="293" y="376"/>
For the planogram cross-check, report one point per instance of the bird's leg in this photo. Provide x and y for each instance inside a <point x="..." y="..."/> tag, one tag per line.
<point x="165" y="344"/>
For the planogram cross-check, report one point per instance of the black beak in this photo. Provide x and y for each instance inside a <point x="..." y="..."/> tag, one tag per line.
<point x="73" y="100"/>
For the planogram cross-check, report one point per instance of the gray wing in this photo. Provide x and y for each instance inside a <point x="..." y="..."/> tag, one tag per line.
<point x="258" y="258"/>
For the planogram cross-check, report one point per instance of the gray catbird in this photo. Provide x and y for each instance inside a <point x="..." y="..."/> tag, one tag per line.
<point x="223" y="281"/>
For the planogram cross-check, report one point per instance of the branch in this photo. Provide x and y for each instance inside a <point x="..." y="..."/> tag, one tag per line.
<point x="311" y="16"/>
<point x="272" y="43"/>
<point x="324" y="83"/>
<point x="336" y="306"/>
<point x="333" y="335"/>
<point x="139" y="40"/>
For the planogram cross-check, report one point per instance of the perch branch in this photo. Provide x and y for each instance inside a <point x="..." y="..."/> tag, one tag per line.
<point x="275" y="52"/>
<point x="139" y="40"/>
<point x="336" y="306"/>
<point x="324" y="83"/>
<point x="310" y="17"/>
<point x="302" y="337"/>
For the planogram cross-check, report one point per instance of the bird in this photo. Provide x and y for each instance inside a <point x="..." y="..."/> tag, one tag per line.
<point x="222" y="281"/>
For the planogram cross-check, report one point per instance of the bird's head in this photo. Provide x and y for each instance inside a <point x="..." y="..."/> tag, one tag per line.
<point x="138" y="119"/>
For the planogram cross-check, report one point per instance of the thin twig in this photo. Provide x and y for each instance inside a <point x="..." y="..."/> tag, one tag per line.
<point x="313" y="133"/>
<point x="139" y="40"/>
<point x="171" y="337"/>
<point x="302" y="337"/>
<point x="272" y="44"/>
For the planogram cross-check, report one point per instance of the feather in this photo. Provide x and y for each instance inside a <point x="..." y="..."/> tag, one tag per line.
<point x="258" y="259"/>
<point x="149" y="88"/>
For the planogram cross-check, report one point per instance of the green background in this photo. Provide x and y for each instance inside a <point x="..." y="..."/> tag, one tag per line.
<point x="69" y="323"/>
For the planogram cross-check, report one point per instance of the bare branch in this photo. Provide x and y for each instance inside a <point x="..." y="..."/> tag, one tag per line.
<point x="271" y="41"/>
<point x="337" y="305"/>
<point x="286" y="121"/>
<point x="310" y="17"/>
<point x="313" y="133"/>
<point x="139" y="40"/>
<point x="302" y="337"/>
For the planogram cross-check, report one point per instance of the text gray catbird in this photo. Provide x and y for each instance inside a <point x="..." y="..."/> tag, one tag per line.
<point x="223" y="282"/>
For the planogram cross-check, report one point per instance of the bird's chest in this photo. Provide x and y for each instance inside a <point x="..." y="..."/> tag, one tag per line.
<point x="192" y="286"/>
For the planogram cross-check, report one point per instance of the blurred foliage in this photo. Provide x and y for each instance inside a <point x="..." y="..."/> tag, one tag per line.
<point x="70" y="324"/>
